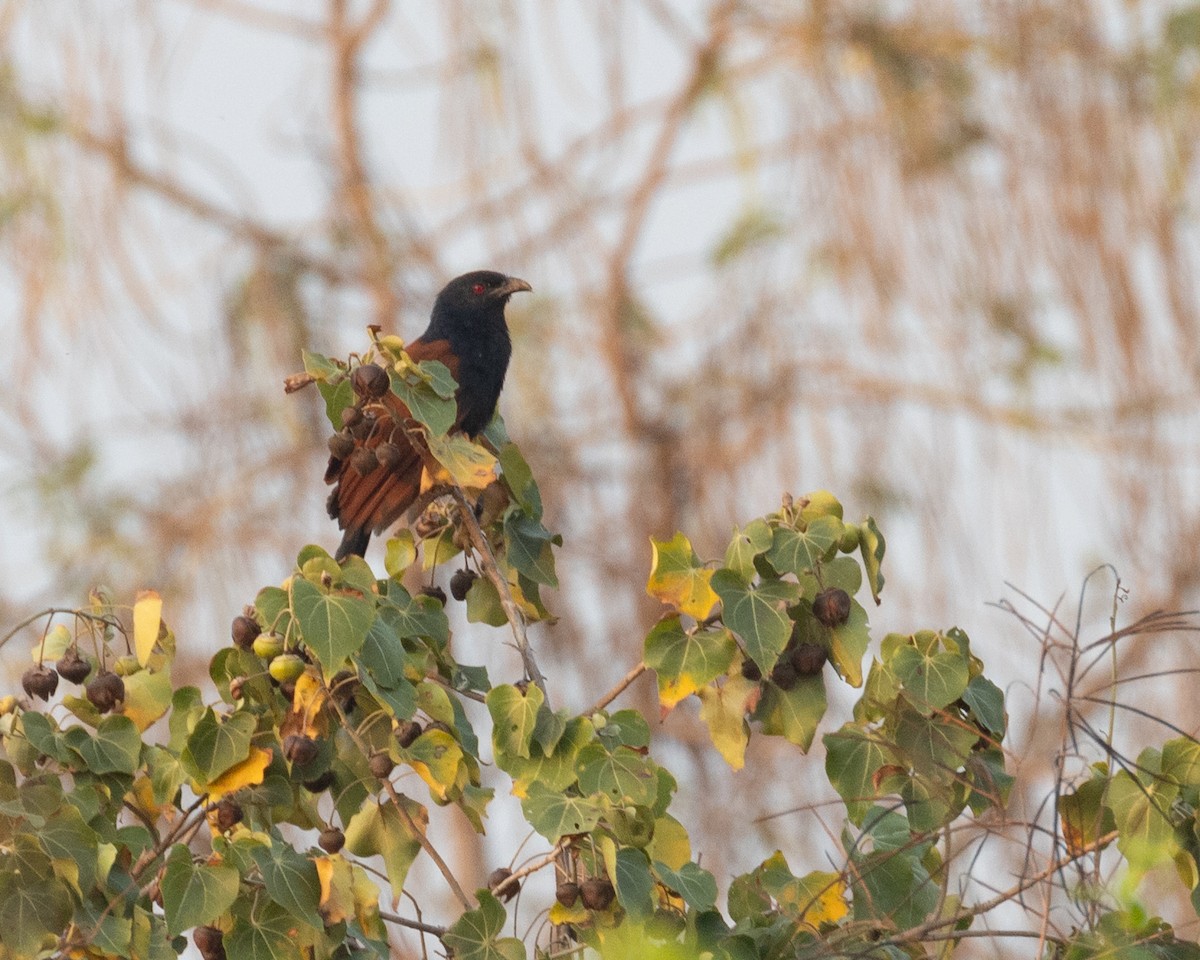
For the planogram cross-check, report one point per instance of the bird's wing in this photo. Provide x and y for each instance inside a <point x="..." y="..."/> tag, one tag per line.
<point x="368" y="503"/>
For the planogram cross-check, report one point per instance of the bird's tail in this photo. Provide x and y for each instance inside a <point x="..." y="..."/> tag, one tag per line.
<point x="354" y="543"/>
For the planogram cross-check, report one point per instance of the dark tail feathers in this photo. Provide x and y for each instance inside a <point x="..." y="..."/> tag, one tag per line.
<point x="354" y="543"/>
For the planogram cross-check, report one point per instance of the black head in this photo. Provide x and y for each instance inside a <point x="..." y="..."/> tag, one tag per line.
<point x="480" y="292"/>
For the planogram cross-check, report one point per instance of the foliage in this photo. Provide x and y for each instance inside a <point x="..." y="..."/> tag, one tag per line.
<point x="271" y="821"/>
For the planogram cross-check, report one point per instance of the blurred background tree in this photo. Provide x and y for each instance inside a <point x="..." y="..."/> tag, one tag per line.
<point x="937" y="257"/>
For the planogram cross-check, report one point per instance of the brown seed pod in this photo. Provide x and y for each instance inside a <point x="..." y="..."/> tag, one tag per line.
<point x="229" y="814"/>
<point x="364" y="461"/>
<point x="381" y="765"/>
<point x="497" y="877"/>
<point x="210" y="941"/>
<point x="237" y="687"/>
<point x="427" y="524"/>
<point x="243" y="631"/>
<point x="342" y="688"/>
<point x="389" y="455"/>
<point x="331" y="840"/>
<point x="341" y="445"/>
<point x="831" y="607"/>
<point x="319" y="784"/>
<point x="567" y="893"/>
<point x="784" y="675"/>
<point x="751" y="670"/>
<point x="299" y="749"/>
<point x="350" y="416"/>
<point x="461" y="582"/>
<point x="407" y="732"/>
<point x="597" y="893"/>
<point x="72" y="667"/>
<point x="436" y="592"/>
<point x="808" y="658"/>
<point x="370" y="381"/>
<point x="40" y="682"/>
<point x="105" y="691"/>
<point x="363" y="429"/>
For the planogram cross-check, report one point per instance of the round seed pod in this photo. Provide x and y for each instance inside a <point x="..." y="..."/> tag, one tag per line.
<point x="364" y="461"/>
<point x="229" y="814"/>
<point x="350" y="416"/>
<point x="497" y="877"/>
<point x="370" y="381"/>
<point x="341" y="445"/>
<point x="567" y="893"/>
<point x="105" y="691"/>
<point x="808" y="658"/>
<point x="461" y="582"/>
<point x="319" y="784"/>
<point x="407" y="732"/>
<point x="784" y="675"/>
<point x="210" y="941"/>
<point x="389" y="455"/>
<point x="331" y="840"/>
<point x="751" y="670"/>
<point x="299" y="749"/>
<point x="40" y="682"/>
<point x="597" y="893"/>
<point x="436" y="592"/>
<point x="381" y="765"/>
<point x="832" y="607"/>
<point x="243" y="631"/>
<point x="72" y="667"/>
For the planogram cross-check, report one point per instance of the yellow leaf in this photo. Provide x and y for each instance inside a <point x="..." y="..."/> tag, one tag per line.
<point x="436" y="757"/>
<point x="53" y="645"/>
<point x="470" y="465"/>
<point x="366" y="903"/>
<point x="820" y="897"/>
<point x="147" y="615"/>
<point x="245" y="774"/>
<point x="560" y="916"/>
<point x="337" y="897"/>
<point x="147" y="697"/>
<point x="143" y="797"/>
<point x="723" y="710"/>
<point x="309" y="698"/>
<point x="679" y="579"/>
<point x="670" y="843"/>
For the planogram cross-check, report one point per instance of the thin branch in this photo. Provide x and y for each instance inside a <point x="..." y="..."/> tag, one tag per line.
<point x="617" y="690"/>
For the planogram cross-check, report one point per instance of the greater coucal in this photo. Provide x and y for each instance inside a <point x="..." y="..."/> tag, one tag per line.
<point x="468" y="334"/>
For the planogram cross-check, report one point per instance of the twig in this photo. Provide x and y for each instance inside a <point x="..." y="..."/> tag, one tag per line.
<point x="518" y="875"/>
<point x="487" y="561"/>
<point x="429" y="928"/>
<point x="616" y="691"/>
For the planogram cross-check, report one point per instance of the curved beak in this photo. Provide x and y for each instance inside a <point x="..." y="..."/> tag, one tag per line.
<point x="510" y="286"/>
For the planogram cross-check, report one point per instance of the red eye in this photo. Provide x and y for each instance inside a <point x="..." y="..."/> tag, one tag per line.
<point x="478" y="289"/>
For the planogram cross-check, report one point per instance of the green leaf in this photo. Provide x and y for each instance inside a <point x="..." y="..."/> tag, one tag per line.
<point x="290" y="879"/>
<point x="986" y="701"/>
<point x="686" y="660"/>
<point x="213" y="747"/>
<point x="400" y="555"/>
<point x="65" y="837"/>
<point x="554" y="769"/>
<point x="269" y="934"/>
<point x="555" y="814"/>
<point x="527" y="545"/>
<point x="623" y="775"/>
<point x="852" y="758"/>
<point x="934" y="746"/>
<point x="746" y="544"/>
<point x="931" y="680"/>
<point x="476" y="934"/>
<point x="337" y="397"/>
<point x="116" y="746"/>
<point x="848" y="643"/>
<point x="514" y="717"/>
<point x="438" y="413"/>
<point x="33" y="913"/>
<point x="634" y="883"/>
<point x="519" y="479"/>
<point x="1144" y="832"/>
<point x="334" y="626"/>
<point x="757" y="615"/>
<point x="195" y="894"/>
<point x="872" y="545"/>
<point x="695" y="884"/>
<point x="319" y="366"/>
<point x="1180" y="761"/>
<point x="409" y="616"/>
<point x="390" y="832"/>
<point x="105" y="931"/>
<point x="795" y="552"/>
<point x="793" y="713"/>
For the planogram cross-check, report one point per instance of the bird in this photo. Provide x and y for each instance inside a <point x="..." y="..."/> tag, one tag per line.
<point x="468" y="333"/>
